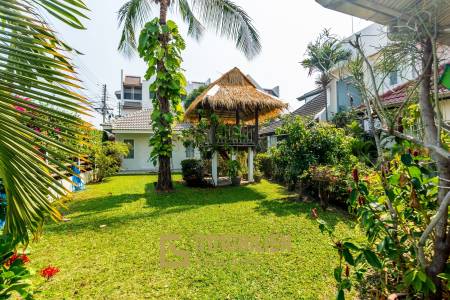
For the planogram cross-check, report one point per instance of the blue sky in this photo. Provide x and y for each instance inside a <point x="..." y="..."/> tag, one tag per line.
<point x="286" y="27"/>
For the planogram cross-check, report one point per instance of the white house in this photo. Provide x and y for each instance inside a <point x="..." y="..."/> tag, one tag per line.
<point x="135" y="130"/>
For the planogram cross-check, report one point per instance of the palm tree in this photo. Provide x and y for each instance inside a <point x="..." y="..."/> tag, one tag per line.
<point x="38" y="110"/>
<point x="228" y="19"/>
<point x="322" y="56"/>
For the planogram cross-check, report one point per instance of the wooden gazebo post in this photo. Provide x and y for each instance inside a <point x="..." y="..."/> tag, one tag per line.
<point x="252" y="149"/>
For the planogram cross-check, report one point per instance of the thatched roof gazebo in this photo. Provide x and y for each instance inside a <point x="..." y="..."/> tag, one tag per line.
<point x="235" y="99"/>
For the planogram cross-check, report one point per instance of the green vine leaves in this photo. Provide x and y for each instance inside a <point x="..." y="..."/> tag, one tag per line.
<point x="160" y="46"/>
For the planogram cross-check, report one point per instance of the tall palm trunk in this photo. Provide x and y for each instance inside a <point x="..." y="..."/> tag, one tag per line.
<point x="164" y="173"/>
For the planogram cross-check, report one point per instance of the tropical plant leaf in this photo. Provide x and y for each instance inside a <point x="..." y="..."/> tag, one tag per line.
<point x="40" y="126"/>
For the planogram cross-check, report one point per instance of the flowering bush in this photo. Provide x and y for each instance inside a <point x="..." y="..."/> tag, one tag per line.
<point x="14" y="273"/>
<point x="394" y="208"/>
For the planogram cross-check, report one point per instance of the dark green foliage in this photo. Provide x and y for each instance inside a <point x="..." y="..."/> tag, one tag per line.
<point x="193" y="95"/>
<point x="193" y="172"/>
<point x="309" y="143"/>
<point x="264" y="163"/>
<point x="363" y="145"/>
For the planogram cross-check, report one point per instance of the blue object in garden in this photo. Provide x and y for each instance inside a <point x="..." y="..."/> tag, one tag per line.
<point x="3" y="204"/>
<point x="78" y="183"/>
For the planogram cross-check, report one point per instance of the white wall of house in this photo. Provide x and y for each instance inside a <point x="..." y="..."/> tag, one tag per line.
<point x="445" y="109"/>
<point x="141" y="160"/>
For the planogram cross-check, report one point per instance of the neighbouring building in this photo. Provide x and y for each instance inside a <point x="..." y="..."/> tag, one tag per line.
<point x="342" y="95"/>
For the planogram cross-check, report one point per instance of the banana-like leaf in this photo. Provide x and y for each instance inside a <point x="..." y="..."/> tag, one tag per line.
<point x="40" y="127"/>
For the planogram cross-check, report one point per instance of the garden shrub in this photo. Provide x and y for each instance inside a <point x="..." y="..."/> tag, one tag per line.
<point x="330" y="184"/>
<point x="307" y="143"/>
<point x="107" y="158"/>
<point x="393" y="207"/>
<point x="264" y="164"/>
<point x="193" y="172"/>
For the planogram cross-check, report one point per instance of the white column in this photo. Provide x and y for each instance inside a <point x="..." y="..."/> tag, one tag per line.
<point x="214" y="165"/>
<point x="250" y="164"/>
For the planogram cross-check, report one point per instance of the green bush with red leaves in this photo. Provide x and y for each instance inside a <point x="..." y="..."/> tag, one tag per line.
<point x="393" y="207"/>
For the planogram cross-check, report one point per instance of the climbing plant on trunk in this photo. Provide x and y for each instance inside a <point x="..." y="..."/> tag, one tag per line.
<point x="160" y="45"/>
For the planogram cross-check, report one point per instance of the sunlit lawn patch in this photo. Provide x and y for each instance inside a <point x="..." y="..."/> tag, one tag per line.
<point x="122" y="261"/>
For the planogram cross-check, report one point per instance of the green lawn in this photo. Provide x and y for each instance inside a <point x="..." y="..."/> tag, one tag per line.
<point x="121" y="260"/>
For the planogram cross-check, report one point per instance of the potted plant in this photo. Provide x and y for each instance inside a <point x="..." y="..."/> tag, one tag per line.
<point x="234" y="170"/>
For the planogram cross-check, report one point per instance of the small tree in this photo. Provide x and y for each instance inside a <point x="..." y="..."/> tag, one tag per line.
<point x="322" y="56"/>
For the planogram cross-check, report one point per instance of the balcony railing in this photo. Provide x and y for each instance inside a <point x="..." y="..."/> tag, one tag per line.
<point x="235" y="136"/>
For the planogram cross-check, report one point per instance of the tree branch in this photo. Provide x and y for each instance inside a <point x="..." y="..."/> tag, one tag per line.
<point x="439" y="214"/>
<point x="438" y="150"/>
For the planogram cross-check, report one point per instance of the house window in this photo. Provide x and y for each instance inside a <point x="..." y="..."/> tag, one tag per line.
<point x="130" y="144"/>
<point x="393" y="78"/>
<point x="137" y="94"/>
<point x="190" y="151"/>
<point x="133" y="93"/>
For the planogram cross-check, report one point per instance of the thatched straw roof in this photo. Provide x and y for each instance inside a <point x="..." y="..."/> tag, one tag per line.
<point x="235" y="91"/>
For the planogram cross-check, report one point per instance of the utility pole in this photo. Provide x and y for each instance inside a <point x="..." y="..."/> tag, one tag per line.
<point x="121" y="92"/>
<point x="104" y="107"/>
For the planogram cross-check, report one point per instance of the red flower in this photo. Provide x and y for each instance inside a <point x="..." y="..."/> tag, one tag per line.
<point x="355" y="175"/>
<point x="23" y="257"/>
<point x="347" y="271"/>
<point x="314" y="213"/>
<point x="49" y="272"/>
<point x="416" y="152"/>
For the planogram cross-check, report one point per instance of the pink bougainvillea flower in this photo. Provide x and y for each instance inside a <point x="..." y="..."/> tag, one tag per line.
<point x="49" y="272"/>
<point x="57" y="129"/>
<point x="19" y="108"/>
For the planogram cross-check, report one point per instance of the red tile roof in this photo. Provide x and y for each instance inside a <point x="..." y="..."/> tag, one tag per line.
<point x="398" y="94"/>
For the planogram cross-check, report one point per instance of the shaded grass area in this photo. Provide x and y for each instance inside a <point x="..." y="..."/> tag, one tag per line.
<point x="111" y="247"/>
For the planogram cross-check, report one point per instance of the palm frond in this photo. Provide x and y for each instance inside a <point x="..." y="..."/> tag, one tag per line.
<point x="195" y="27"/>
<point x="230" y="21"/>
<point x="132" y="15"/>
<point x="39" y="123"/>
<point x="323" y="55"/>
